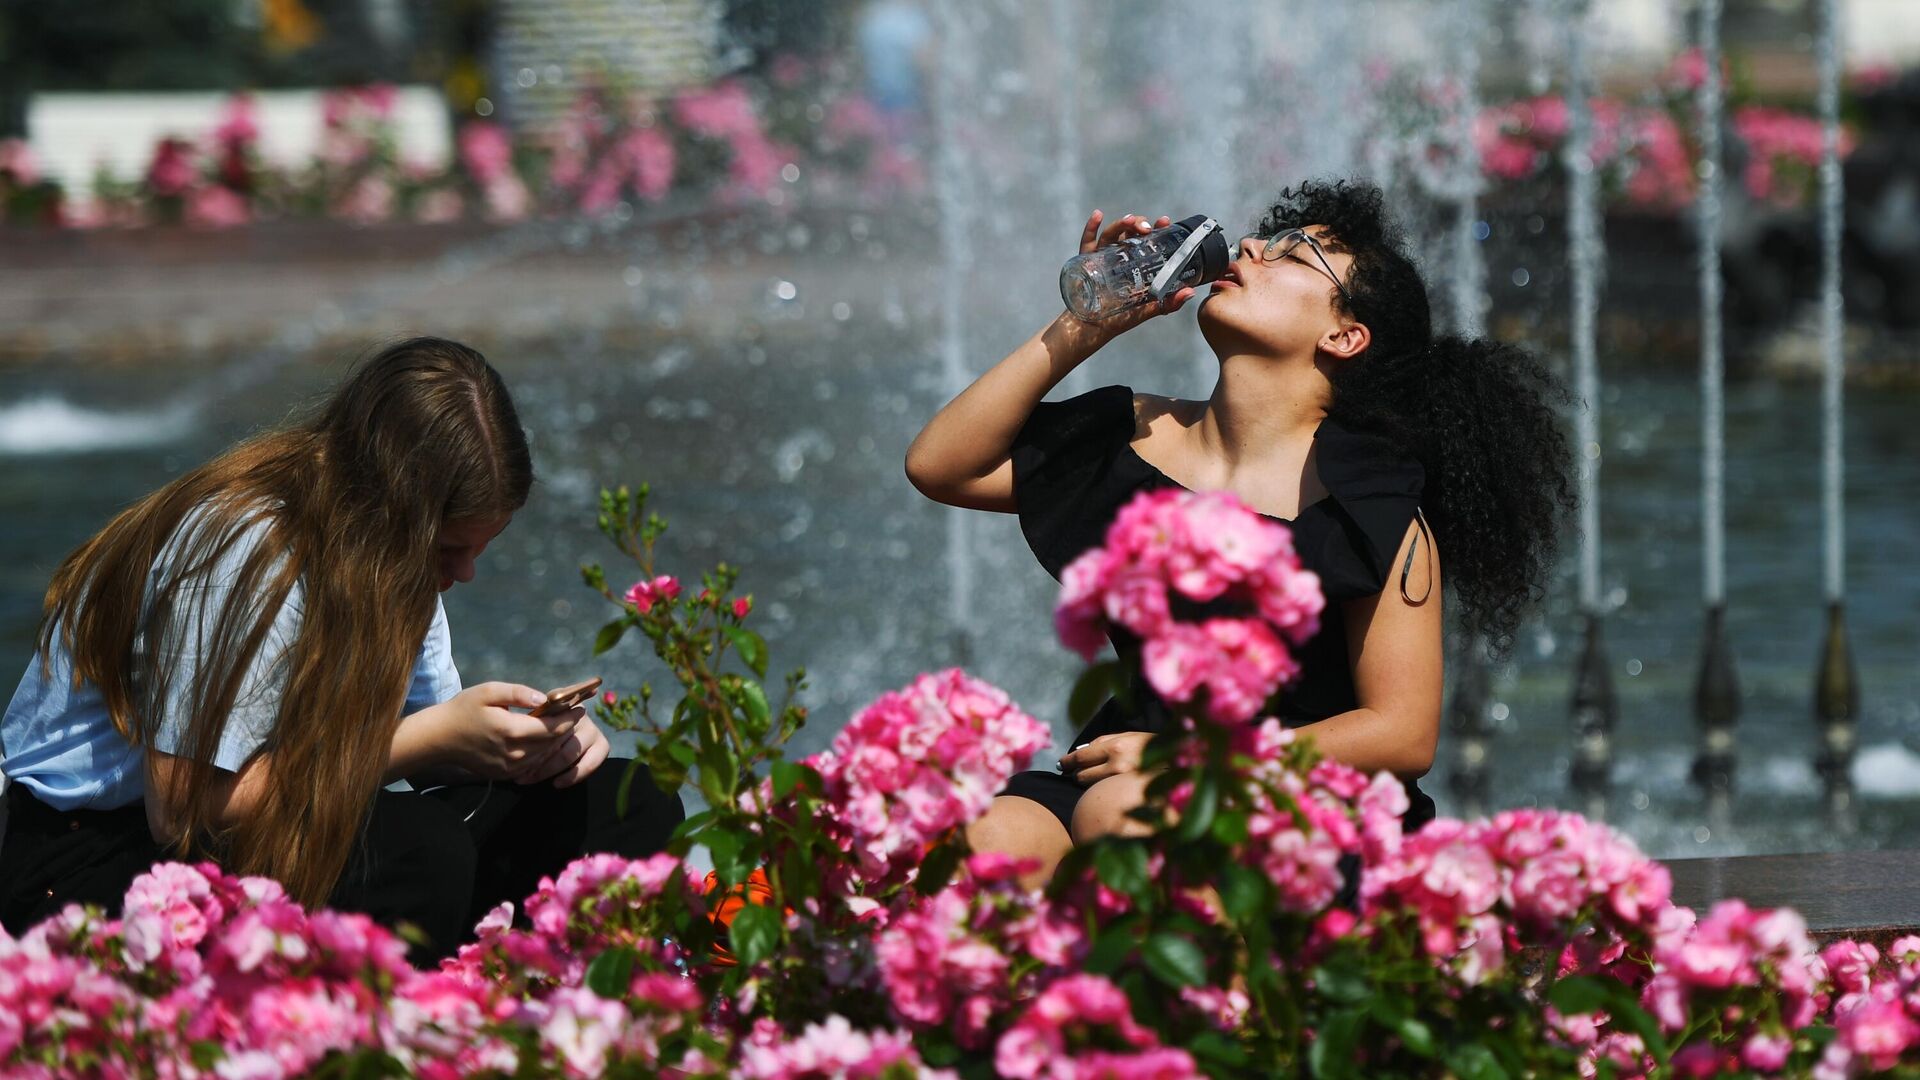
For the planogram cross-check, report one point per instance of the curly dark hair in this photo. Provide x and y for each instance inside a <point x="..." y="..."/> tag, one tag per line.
<point x="1482" y="417"/>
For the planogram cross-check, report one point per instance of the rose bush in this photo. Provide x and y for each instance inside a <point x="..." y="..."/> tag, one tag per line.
<point x="1275" y="920"/>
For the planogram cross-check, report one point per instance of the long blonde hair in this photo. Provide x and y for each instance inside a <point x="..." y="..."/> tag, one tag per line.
<point x="348" y="505"/>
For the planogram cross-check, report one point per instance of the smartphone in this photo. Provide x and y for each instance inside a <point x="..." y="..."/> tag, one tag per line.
<point x="566" y="697"/>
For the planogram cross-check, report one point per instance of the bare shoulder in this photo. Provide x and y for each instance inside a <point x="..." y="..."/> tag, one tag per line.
<point x="1152" y="412"/>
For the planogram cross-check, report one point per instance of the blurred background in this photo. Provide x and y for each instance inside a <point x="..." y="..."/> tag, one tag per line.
<point x="743" y="249"/>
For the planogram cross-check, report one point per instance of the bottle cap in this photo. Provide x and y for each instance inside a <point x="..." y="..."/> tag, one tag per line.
<point x="1205" y="248"/>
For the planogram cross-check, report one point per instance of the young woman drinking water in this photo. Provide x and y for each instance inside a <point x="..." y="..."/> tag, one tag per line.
<point x="1406" y="465"/>
<point x="238" y="665"/>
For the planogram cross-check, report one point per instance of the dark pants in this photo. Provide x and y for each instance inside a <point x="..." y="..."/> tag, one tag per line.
<point x="438" y="859"/>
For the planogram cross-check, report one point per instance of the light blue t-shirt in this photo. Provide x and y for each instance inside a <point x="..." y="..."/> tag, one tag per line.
<point x="58" y="740"/>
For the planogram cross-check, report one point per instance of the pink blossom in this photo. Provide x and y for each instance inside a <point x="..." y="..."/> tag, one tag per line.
<point x="215" y="207"/>
<point x="931" y="961"/>
<point x="239" y="126"/>
<point x="172" y="171"/>
<point x="919" y="763"/>
<point x="1036" y="1046"/>
<point x="662" y="589"/>
<point x="302" y="1021"/>
<point x="1850" y="965"/>
<point x="486" y="151"/>
<point x="1877" y="1030"/>
<point x="830" y="1049"/>
<point x="724" y="110"/>
<point x="507" y="199"/>
<point x="369" y="201"/>
<point x="648" y="154"/>
<point x="1204" y="547"/>
<point x="17" y="162"/>
<point x="1765" y="1053"/>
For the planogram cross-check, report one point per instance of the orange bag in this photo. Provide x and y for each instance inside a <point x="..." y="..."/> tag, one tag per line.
<point x="756" y="890"/>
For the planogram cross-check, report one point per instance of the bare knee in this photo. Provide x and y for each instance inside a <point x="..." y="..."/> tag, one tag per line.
<point x="1106" y="808"/>
<point x="1023" y="829"/>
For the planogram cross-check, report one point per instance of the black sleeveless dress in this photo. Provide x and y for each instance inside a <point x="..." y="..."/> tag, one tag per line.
<point x="1074" y="468"/>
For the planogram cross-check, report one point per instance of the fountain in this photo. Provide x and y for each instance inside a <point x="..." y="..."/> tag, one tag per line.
<point x="1717" y="692"/>
<point x="1594" y="707"/>
<point x="766" y="367"/>
<point x="1837" y="693"/>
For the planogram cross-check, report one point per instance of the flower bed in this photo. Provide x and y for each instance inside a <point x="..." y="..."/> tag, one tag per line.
<point x="847" y="930"/>
<point x="804" y="128"/>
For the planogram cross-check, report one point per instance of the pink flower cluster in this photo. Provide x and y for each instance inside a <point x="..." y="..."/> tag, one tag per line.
<point x="1081" y="1028"/>
<point x="1531" y="871"/>
<point x="1783" y="153"/>
<point x="948" y="959"/>
<point x="725" y="112"/>
<point x="830" y="1050"/>
<point x="486" y="151"/>
<point x="918" y="764"/>
<point x="1642" y="150"/>
<point x="199" y="962"/>
<point x="1203" y="547"/>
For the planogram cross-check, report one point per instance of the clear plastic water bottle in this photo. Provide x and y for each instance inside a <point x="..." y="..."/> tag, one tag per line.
<point x="1146" y="268"/>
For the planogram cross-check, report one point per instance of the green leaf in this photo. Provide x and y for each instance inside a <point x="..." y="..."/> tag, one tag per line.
<point x="609" y="635"/>
<point x="611" y="973"/>
<point x="755" y="933"/>
<point x="786" y="776"/>
<point x="692" y="823"/>
<point x="1175" y="960"/>
<point x="1230" y="828"/>
<point x="1333" y="1048"/>
<point x="1197" y="818"/>
<point x="1216" y="1049"/>
<point x="682" y="753"/>
<point x="937" y="869"/>
<point x="1110" y="950"/>
<point x="1122" y="865"/>
<point x="724" y="845"/>
<point x="1580" y="994"/>
<point x="1472" y="1061"/>
<point x="754" y="701"/>
<point x="1341" y="979"/>
<point x="1414" y="1033"/>
<point x="1094" y="686"/>
<point x="752" y="648"/>
<point x="1243" y="892"/>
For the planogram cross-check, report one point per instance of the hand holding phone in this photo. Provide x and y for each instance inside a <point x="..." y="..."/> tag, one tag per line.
<point x="566" y="697"/>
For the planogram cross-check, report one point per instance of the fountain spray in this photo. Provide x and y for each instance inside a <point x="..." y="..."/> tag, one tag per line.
<point x="1836" y="691"/>
<point x="1716" y="697"/>
<point x="950" y="174"/>
<point x="1595" y="709"/>
<point x="1467" y="712"/>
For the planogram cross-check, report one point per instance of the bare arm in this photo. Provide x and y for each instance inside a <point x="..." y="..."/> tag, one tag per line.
<point x="472" y="734"/>
<point x="963" y="456"/>
<point x="1395" y="647"/>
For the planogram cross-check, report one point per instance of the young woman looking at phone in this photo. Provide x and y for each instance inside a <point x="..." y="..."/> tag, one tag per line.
<point x="237" y="665"/>
<point x="1404" y="463"/>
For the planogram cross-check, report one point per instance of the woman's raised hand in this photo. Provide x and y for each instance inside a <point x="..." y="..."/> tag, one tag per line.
<point x="1093" y="238"/>
<point x="480" y="731"/>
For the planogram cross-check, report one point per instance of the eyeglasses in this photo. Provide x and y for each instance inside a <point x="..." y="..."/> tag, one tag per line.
<point x="1278" y="247"/>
